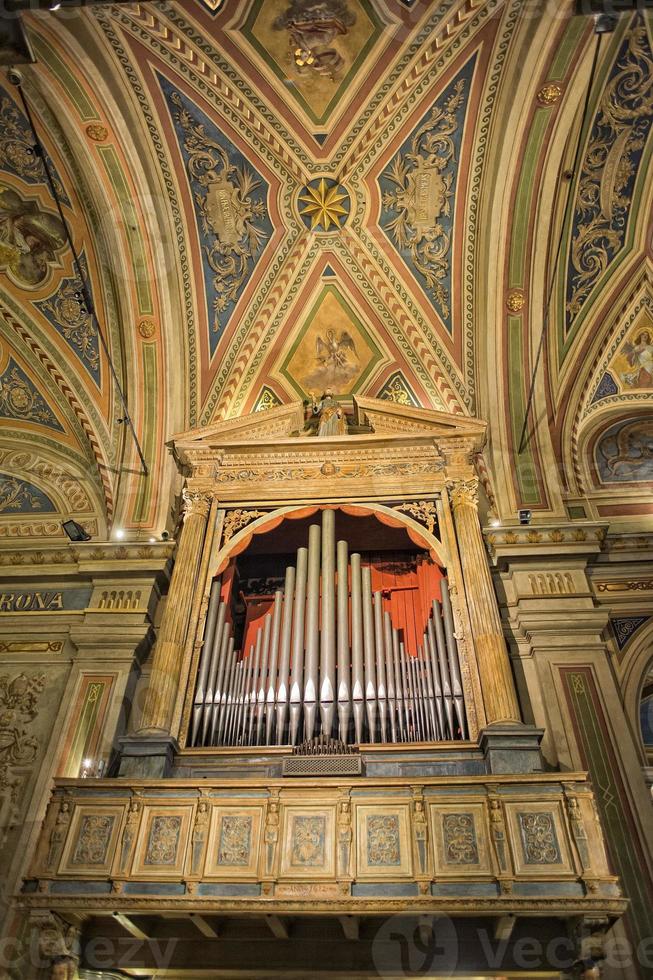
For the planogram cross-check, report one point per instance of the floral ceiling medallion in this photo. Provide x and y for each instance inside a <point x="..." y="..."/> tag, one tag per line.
<point x="324" y="204"/>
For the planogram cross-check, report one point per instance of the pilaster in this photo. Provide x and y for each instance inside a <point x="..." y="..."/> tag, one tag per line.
<point x="553" y="582"/>
<point x="168" y="653"/>
<point x="499" y="693"/>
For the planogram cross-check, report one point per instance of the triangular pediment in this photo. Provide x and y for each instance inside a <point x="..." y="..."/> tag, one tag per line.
<point x="391" y="418"/>
<point x="285" y="423"/>
<point x="272" y="425"/>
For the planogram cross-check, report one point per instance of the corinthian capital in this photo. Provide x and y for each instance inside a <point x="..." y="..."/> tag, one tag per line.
<point x="196" y="502"/>
<point x="464" y="493"/>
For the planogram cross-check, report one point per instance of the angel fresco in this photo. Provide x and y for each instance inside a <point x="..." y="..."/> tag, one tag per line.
<point x="640" y="360"/>
<point x="29" y="238"/>
<point x="335" y="362"/>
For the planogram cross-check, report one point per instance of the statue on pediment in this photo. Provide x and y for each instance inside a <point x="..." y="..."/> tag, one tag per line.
<point x="332" y="419"/>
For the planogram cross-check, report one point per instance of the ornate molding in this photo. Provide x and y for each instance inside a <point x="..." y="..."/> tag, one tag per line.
<point x="630" y="585"/>
<point x="423" y="511"/>
<point x="18" y="709"/>
<point x="545" y="539"/>
<point x="464" y="493"/>
<point x="236" y="520"/>
<point x="196" y="502"/>
<point x="413" y="827"/>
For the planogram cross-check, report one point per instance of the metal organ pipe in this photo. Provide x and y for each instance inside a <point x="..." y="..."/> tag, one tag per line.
<point x="443" y="662"/>
<point x="220" y="715"/>
<point x="270" y="697"/>
<point x="205" y="658"/>
<point x="344" y="669"/>
<point x="454" y="660"/>
<point x="262" y="679"/>
<point x="430" y="686"/>
<point x="369" y="652"/>
<point x="328" y="622"/>
<point x="389" y="669"/>
<point x="379" y="642"/>
<point x="357" y="667"/>
<point x="283" y="691"/>
<point x="221" y="643"/>
<point x="311" y="661"/>
<point x="399" y="685"/>
<point x="297" y="668"/>
<point x="327" y="642"/>
<point x="213" y="657"/>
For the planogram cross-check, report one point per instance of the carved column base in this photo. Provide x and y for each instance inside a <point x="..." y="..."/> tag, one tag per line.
<point x="511" y="749"/>
<point x="147" y="756"/>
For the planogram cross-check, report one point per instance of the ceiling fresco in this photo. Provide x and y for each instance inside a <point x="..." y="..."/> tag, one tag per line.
<point x="274" y="198"/>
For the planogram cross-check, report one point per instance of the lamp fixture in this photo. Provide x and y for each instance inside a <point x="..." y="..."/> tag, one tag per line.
<point x="75" y="531"/>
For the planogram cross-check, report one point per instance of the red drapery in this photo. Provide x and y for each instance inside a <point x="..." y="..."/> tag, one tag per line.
<point x="407" y="582"/>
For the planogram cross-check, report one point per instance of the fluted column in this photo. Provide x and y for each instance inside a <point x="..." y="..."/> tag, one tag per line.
<point x="168" y="652"/>
<point x="499" y="694"/>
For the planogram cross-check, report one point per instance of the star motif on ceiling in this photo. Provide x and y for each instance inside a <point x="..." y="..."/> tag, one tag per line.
<point x="326" y="204"/>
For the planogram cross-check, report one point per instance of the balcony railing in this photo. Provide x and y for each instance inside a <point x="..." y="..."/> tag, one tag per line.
<point x="529" y="843"/>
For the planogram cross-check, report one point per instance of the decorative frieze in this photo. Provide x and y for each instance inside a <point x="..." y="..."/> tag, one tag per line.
<point x="307" y="838"/>
<point x="518" y="540"/>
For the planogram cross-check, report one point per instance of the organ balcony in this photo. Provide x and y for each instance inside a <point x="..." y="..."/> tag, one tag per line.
<point x="487" y="844"/>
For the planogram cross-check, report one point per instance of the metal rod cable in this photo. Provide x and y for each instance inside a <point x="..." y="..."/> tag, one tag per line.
<point x="79" y="271"/>
<point x="563" y="226"/>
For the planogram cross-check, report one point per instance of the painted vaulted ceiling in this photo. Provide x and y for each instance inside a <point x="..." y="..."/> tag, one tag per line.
<point x="272" y="197"/>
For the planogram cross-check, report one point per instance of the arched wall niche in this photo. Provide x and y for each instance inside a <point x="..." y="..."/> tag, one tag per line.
<point x="614" y="450"/>
<point x="637" y="663"/>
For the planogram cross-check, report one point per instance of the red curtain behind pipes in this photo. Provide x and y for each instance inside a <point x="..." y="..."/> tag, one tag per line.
<point x="408" y="582"/>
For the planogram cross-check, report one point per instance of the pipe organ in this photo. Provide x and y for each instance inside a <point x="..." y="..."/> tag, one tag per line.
<point x="327" y="659"/>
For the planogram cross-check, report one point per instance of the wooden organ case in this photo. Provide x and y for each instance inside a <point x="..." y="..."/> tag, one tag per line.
<point x="330" y="598"/>
<point x="330" y="726"/>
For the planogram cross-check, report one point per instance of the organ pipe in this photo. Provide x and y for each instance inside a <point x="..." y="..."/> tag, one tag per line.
<point x="443" y="663"/>
<point x="328" y="642"/>
<point x="213" y="667"/>
<point x="209" y="633"/>
<point x="284" y="654"/>
<point x="454" y="661"/>
<point x="311" y="662"/>
<point x="357" y="667"/>
<point x="219" y="716"/>
<point x="262" y="679"/>
<point x="387" y="635"/>
<point x="369" y="651"/>
<point x="379" y="643"/>
<point x="344" y="653"/>
<point x="328" y="622"/>
<point x="299" y="618"/>
<point x="275" y="640"/>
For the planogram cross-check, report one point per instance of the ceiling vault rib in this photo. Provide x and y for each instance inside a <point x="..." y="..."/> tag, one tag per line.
<point x="563" y="225"/>
<point x="88" y="301"/>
